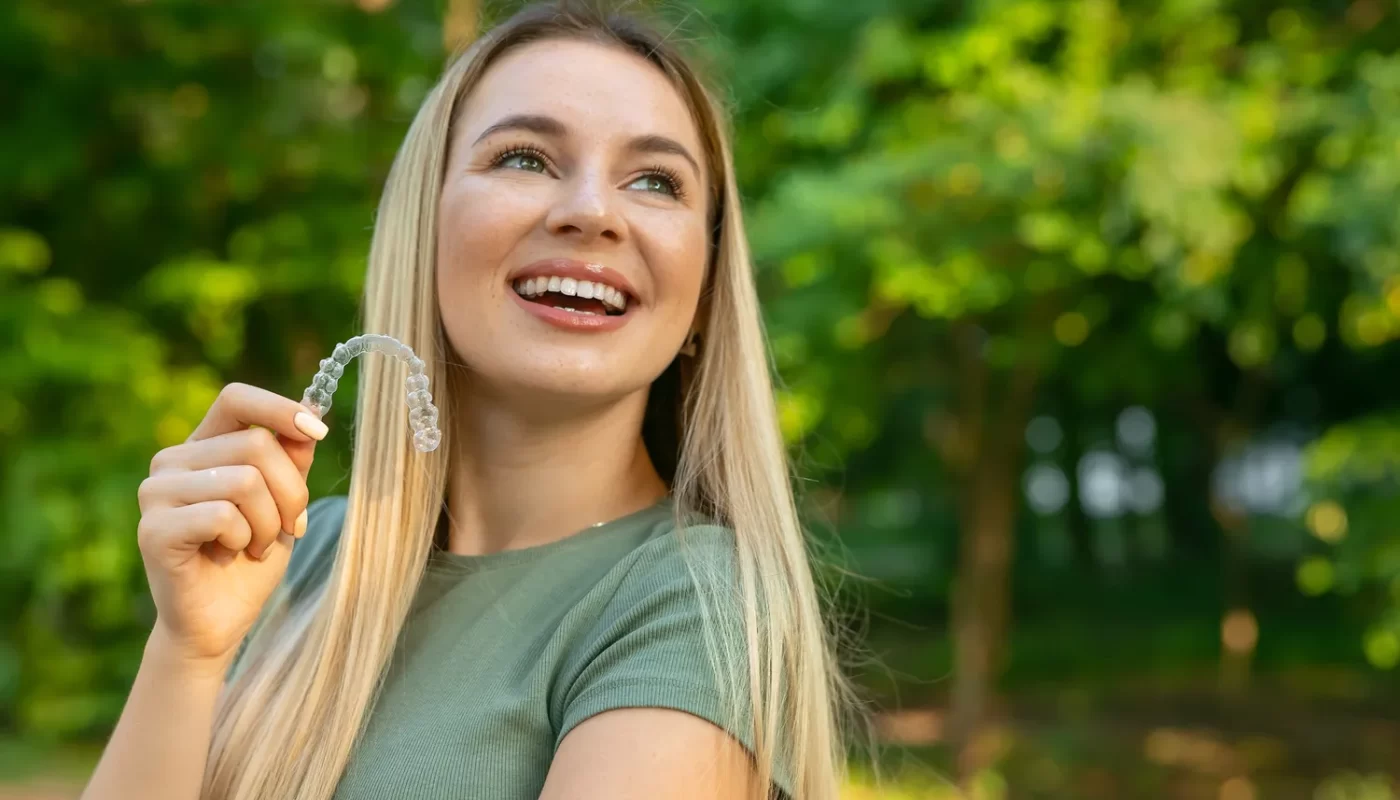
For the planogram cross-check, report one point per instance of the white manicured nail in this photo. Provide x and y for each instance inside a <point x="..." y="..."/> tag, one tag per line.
<point x="310" y="426"/>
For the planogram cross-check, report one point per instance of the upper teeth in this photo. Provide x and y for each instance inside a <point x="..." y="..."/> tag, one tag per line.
<point x="531" y="287"/>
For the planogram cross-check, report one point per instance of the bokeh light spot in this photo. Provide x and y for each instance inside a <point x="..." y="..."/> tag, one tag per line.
<point x="1043" y="434"/>
<point x="1309" y="332"/>
<point x="1237" y="788"/>
<point x="1327" y="520"/>
<point x="1315" y="576"/>
<point x="1071" y="329"/>
<point x="1383" y="649"/>
<point x="964" y="179"/>
<point x="1239" y="632"/>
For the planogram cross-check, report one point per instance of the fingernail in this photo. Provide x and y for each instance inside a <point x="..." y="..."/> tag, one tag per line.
<point x="310" y="426"/>
<point x="301" y="525"/>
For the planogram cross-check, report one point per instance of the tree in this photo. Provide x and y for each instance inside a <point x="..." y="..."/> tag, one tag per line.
<point x="188" y="195"/>
<point x="980" y="193"/>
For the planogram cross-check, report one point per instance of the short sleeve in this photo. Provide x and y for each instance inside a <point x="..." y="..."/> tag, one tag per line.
<point x="310" y="563"/>
<point x="649" y="648"/>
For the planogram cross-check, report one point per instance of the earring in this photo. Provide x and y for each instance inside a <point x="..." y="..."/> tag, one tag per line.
<point x="692" y="344"/>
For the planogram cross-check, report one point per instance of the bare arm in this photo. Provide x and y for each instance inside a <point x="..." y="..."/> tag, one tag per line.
<point x="637" y="753"/>
<point x="160" y="744"/>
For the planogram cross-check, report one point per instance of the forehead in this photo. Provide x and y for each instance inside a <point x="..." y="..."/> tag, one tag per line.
<point x="601" y="93"/>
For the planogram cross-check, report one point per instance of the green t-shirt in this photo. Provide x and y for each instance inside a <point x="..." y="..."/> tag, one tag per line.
<point x="504" y="653"/>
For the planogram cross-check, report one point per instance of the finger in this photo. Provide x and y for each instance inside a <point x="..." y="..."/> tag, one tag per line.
<point x="240" y="406"/>
<point x="241" y="484"/>
<point x="188" y="527"/>
<point x="301" y="453"/>
<point x="257" y="447"/>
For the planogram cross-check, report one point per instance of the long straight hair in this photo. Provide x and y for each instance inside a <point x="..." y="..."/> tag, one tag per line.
<point x="288" y="720"/>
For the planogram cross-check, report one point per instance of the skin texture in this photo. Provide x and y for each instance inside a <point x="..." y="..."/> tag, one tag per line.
<point x="645" y="753"/>
<point x="562" y="409"/>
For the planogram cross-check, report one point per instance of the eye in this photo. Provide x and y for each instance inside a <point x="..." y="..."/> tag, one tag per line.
<point x="660" y="179"/>
<point x="530" y="159"/>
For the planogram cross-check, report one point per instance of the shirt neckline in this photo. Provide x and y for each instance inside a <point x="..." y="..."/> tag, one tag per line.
<point x="443" y="561"/>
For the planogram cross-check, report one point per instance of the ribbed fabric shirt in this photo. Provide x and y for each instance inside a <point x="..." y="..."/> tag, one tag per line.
<point x="503" y="654"/>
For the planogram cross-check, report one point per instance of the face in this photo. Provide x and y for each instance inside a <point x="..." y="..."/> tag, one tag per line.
<point x="572" y="236"/>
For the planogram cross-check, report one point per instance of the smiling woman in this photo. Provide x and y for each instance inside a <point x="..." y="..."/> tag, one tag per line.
<point x="597" y="585"/>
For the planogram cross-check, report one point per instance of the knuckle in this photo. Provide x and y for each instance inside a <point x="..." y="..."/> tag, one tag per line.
<point x="226" y="516"/>
<point x="230" y="393"/>
<point x="144" y="533"/>
<point x="245" y="480"/>
<point x="145" y="493"/>
<point x="160" y="460"/>
<point x="263" y="440"/>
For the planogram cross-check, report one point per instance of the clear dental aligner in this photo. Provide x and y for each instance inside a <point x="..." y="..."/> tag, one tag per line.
<point x="422" y="414"/>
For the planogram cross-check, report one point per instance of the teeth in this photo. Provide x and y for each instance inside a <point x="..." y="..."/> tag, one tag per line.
<point x="533" y="287"/>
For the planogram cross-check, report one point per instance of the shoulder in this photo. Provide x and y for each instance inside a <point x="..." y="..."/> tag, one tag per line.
<point x="651" y="632"/>
<point x="671" y="635"/>
<point x="678" y="575"/>
<point x="708" y="551"/>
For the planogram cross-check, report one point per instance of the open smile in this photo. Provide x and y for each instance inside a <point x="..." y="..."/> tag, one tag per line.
<point x="574" y="295"/>
<point x="580" y="297"/>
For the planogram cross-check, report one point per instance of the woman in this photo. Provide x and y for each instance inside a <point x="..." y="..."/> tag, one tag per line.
<point x="597" y="585"/>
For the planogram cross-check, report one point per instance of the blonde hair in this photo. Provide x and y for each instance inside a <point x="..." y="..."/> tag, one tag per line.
<point x="289" y="718"/>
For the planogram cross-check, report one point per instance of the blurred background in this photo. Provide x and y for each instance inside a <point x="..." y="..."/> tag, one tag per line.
<point x="1085" y="313"/>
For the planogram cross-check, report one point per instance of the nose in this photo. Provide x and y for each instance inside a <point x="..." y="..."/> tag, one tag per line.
<point x="586" y="209"/>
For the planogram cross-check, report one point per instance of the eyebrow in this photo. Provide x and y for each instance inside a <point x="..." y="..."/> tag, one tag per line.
<point x="652" y="143"/>
<point x="553" y="128"/>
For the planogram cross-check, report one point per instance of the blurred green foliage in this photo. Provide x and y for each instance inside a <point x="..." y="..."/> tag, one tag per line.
<point x="995" y="238"/>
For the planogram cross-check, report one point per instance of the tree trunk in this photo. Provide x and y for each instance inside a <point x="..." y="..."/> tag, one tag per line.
<point x="993" y="447"/>
<point x="981" y="601"/>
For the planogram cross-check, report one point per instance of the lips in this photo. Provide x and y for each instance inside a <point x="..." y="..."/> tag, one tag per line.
<point x="574" y="295"/>
<point x="579" y="271"/>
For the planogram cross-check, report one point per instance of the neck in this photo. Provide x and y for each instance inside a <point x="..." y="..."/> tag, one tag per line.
<point x="522" y="479"/>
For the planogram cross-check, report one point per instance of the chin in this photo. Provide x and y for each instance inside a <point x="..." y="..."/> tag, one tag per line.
<point x="562" y="380"/>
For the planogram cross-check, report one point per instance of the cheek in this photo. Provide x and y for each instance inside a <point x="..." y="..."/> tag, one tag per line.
<point x="479" y="228"/>
<point x="678" y="253"/>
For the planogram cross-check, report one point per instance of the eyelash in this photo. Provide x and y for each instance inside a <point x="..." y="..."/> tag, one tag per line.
<point x="668" y="176"/>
